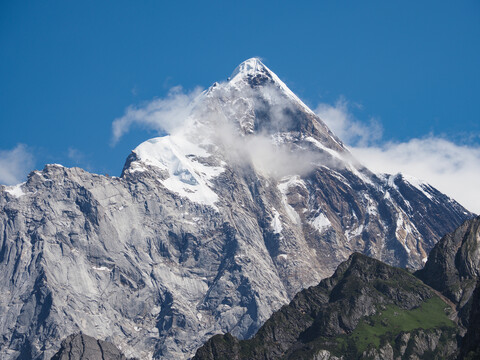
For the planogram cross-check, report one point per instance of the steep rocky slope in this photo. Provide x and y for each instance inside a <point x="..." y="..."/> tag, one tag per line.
<point x="209" y="229"/>
<point x="366" y="310"/>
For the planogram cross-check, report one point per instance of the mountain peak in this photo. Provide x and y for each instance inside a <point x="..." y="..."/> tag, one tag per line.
<point x="250" y="66"/>
<point x="255" y="74"/>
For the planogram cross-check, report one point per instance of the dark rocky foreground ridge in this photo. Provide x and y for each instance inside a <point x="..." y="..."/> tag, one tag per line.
<point x="369" y="310"/>
<point x="365" y="303"/>
<point x="198" y="236"/>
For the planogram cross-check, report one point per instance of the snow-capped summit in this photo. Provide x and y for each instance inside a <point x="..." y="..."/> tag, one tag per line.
<point x="254" y="73"/>
<point x="252" y="116"/>
<point x="250" y="66"/>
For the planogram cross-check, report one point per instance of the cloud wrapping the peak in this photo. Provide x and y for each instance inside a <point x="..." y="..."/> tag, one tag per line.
<point x="227" y="117"/>
<point x="271" y="158"/>
<point x="15" y="164"/>
<point x="163" y="115"/>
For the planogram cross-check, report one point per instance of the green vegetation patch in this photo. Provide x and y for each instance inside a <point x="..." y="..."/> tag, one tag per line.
<point x="392" y="320"/>
<point x="376" y="330"/>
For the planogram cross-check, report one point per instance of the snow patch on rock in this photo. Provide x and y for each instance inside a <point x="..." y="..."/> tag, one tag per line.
<point x="419" y="184"/>
<point x="15" y="190"/>
<point x="180" y="159"/>
<point x="321" y="223"/>
<point x="283" y="186"/>
<point x="276" y="222"/>
<point x="253" y="67"/>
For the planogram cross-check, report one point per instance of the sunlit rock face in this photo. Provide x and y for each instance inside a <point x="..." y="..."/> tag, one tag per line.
<point x="209" y="229"/>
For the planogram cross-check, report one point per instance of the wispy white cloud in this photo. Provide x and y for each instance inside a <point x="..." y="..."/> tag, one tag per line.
<point x="343" y="123"/>
<point x="267" y="157"/>
<point x="452" y="168"/>
<point x="162" y="115"/>
<point x="15" y="164"/>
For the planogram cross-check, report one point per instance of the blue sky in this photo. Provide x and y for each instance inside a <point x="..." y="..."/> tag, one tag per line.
<point x="69" y="68"/>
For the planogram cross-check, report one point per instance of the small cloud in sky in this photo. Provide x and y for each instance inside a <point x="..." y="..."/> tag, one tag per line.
<point x="79" y="158"/>
<point x="343" y="123"/>
<point x="163" y="115"/>
<point x="15" y="164"/>
<point x="452" y="168"/>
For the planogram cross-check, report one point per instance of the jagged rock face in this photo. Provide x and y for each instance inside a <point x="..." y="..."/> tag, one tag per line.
<point x="453" y="266"/>
<point x="364" y="295"/>
<point x="419" y="344"/>
<point x="84" y="347"/>
<point x="208" y="230"/>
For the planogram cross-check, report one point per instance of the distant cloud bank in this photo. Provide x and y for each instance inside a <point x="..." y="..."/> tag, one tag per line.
<point x="452" y="168"/>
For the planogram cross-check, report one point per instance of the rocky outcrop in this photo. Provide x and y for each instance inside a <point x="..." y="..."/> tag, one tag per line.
<point x="208" y="230"/>
<point x="83" y="347"/>
<point x="419" y="344"/>
<point x="366" y="310"/>
<point x="453" y="266"/>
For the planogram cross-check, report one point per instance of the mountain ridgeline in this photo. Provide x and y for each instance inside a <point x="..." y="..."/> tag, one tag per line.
<point x="208" y="230"/>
